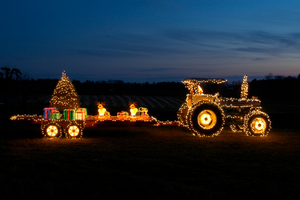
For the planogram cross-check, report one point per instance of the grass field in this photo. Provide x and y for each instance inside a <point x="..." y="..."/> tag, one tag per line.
<point x="152" y="162"/>
<point x="149" y="163"/>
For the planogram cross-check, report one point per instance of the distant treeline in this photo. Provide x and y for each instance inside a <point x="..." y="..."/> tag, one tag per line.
<point x="276" y="89"/>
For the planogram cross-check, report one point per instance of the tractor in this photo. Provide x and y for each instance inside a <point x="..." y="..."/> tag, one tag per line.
<point x="206" y="114"/>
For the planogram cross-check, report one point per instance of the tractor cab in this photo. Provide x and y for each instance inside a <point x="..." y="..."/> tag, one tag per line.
<point x="196" y="92"/>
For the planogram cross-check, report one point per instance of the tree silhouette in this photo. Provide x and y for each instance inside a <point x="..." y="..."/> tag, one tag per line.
<point x="7" y="72"/>
<point x="9" y="85"/>
<point x="15" y="72"/>
<point x="10" y="74"/>
<point x="64" y="95"/>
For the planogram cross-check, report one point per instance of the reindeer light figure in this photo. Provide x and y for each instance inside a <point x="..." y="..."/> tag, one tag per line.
<point x="133" y="109"/>
<point x="102" y="113"/>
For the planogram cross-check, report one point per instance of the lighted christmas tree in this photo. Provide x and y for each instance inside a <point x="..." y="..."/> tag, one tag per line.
<point x="64" y="95"/>
<point x="244" y="90"/>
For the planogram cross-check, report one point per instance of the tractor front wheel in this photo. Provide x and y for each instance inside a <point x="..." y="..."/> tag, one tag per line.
<point x="257" y="123"/>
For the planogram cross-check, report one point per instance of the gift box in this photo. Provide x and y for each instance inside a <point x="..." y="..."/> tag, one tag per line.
<point x="69" y="114"/>
<point x="47" y="112"/>
<point x="81" y="114"/>
<point x="55" y="114"/>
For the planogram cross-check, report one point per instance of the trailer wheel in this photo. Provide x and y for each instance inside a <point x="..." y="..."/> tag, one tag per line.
<point x="257" y="123"/>
<point x="73" y="130"/>
<point x="52" y="130"/>
<point x="206" y="119"/>
<point x="182" y="114"/>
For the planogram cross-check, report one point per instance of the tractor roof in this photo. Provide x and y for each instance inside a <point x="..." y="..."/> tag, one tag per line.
<point x="204" y="80"/>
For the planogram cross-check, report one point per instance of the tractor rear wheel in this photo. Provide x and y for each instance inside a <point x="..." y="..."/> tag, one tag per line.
<point x="206" y="119"/>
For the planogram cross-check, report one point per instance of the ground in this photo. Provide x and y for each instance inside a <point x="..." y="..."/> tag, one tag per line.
<point x="149" y="163"/>
<point x="152" y="162"/>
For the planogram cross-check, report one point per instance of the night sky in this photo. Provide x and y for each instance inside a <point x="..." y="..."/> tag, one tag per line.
<point x="150" y="40"/>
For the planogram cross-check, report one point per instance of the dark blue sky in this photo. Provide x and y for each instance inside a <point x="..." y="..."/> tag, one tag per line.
<point x="150" y="40"/>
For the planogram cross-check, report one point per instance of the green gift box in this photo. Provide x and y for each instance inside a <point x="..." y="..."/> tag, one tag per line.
<point x="55" y="114"/>
<point x="69" y="114"/>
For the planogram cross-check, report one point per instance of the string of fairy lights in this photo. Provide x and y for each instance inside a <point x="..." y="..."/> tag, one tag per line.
<point x="244" y="88"/>
<point x="64" y="95"/>
<point x="192" y="125"/>
<point x="243" y="114"/>
<point x="203" y="114"/>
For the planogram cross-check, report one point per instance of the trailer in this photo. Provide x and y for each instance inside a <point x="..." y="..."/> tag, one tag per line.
<point x="73" y="129"/>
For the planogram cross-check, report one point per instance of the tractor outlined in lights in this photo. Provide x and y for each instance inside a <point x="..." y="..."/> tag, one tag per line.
<point x="206" y="114"/>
